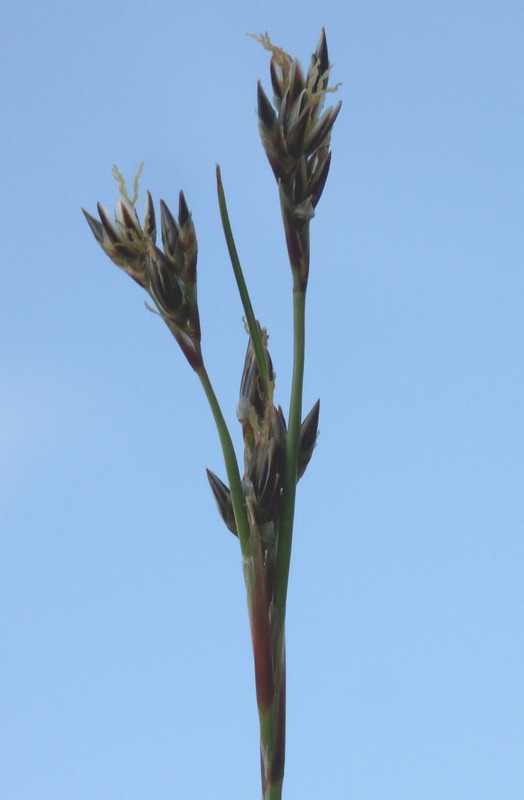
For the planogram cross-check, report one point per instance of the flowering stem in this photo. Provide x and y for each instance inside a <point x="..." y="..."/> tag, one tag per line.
<point x="293" y="440"/>
<point x="273" y="792"/>
<point x="254" y="330"/>
<point x="270" y="697"/>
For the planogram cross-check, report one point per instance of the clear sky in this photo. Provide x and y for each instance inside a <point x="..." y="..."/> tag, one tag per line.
<point x="126" y="668"/>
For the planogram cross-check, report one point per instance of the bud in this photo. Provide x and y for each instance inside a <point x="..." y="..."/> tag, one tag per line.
<point x="297" y="132"/>
<point x="170" y="236"/>
<point x="320" y="132"/>
<point x="264" y="475"/>
<point x="318" y="170"/>
<point x="172" y="279"/>
<point x="188" y="243"/>
<point x="278" y="431"/>
<point x="273" y="139"/>
<point x="251" y="406"/>
<point x="179" y="240"/>
<point x="296" y="83"/>
<point x="165" y="287"/>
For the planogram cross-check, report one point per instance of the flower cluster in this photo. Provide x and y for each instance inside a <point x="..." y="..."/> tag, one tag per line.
<point x="296" y="138"/>
<point x="258" y="504"/>
<point x="265" y="433"/>
<point x="124" y="239"/>
<point x="168" y="274"/>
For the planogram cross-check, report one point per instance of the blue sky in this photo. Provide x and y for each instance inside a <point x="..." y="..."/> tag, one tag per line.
<point x="126" y="669"/>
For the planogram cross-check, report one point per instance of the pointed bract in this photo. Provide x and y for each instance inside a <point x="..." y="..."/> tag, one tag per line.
<point x="149" y="224"/>
<point x="169" y="231"/>
<point x="320" y="62"/>
<point x="95" y="225"/>
<point x="183" y="210"/>
<point x="222" y="497"/>
<point x="266" y="114"/>
<point x="308" y="439"/>
<point x="110" y="230"/>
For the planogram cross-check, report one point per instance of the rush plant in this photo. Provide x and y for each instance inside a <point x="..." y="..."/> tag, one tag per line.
<point x="258" y="502"/>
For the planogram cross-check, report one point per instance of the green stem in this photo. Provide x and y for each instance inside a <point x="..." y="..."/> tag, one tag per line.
<point x="242" y="288"/>
<point x="233" y="474"/>
<point x="290" y="483"/>
<point x="273" y="792"/>
<point x="275" y="734"/>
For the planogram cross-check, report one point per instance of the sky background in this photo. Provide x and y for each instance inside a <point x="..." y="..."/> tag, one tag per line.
<point x="126" y="669"/>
